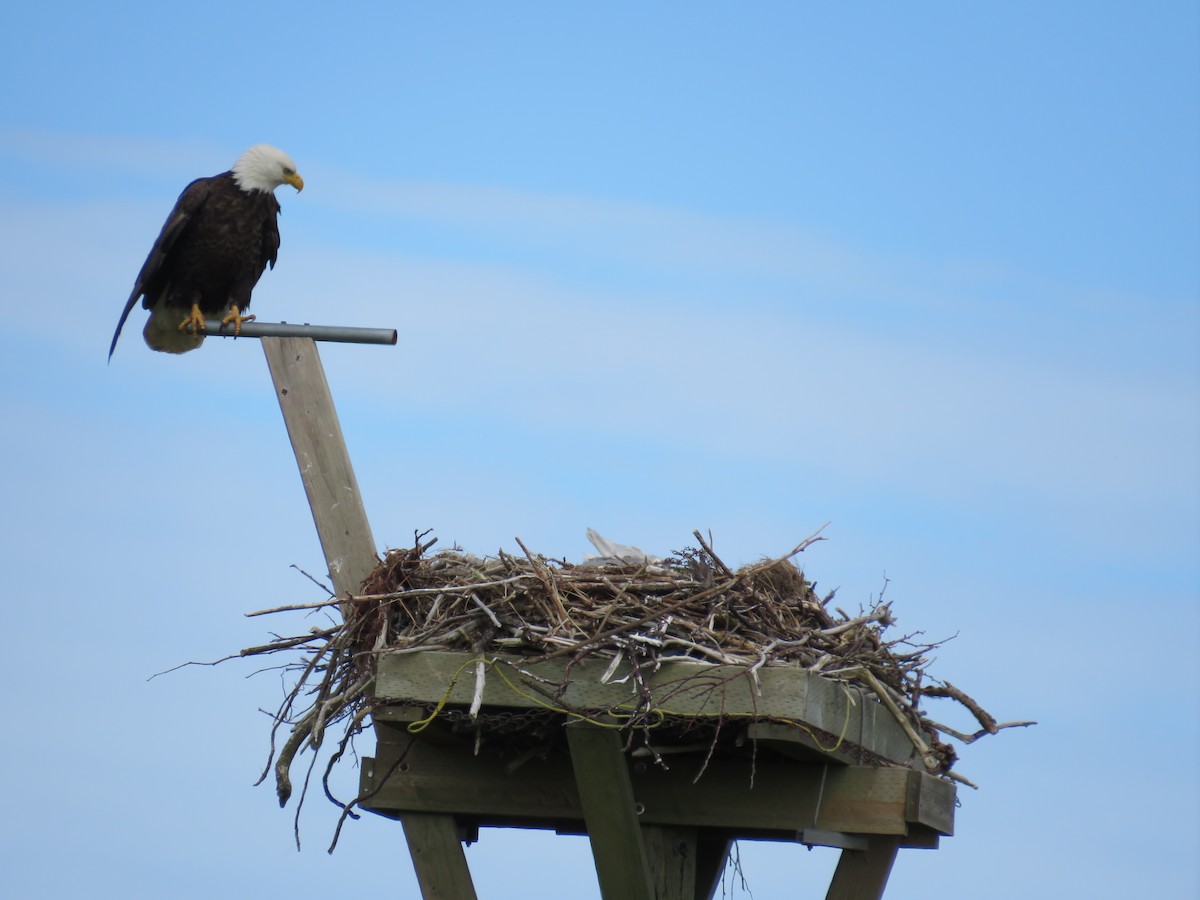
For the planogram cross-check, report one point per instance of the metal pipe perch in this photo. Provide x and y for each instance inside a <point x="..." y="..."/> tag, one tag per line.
<point x="340" y="333"/>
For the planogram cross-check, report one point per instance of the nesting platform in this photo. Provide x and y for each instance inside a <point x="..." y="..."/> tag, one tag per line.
<point x="796" y="757"/>
<point x="662" y="770"/>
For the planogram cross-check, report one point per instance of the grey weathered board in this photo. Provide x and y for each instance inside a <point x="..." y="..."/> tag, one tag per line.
<point x="864" y="873"/>
<point x="682" y="688"/>
<point x="764" y="797"/>
<point x="606" y="801"/>
<point x="329" y="481"/>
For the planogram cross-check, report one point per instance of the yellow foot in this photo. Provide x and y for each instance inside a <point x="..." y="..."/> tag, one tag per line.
<point x="194" y="323"/>
<point x="235" y="316"/>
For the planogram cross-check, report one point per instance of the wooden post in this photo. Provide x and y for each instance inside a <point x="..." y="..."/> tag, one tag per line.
<point x="712" y="854"/>
<point x="671" y="853"/>
<point x="606" y="796"/>
<point x="345" y="533"/>
<point x="438" y="857"/>
<point x="316" y="435"/>
<point x="863" y="874"/>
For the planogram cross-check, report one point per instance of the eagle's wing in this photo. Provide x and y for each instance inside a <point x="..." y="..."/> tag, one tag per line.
<point x="189" y="201"/>
<point x="270" y="248"/>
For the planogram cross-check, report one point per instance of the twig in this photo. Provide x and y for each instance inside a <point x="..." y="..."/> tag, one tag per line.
<point x="972" y="738"/>
<point x="319" y="584"/>
<point x="711" y="555"/>
<point x="878" y="614"/>
<point x="296" y="606"/>
<point x="917" y="741"/>
<point x="491" y="615"/>
<point x="548" y="581"/>
<point x="981" y="715"/>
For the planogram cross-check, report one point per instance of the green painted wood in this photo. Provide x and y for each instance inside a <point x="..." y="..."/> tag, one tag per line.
<point x="683" y="688"/>
<point x="606" y="799"/>
<point x="712" y="855"/>
<point x="672" y="856"/>
<point x="863" y="874"/>
<point x="542" y="793"/>
<point x="438" y="858"/>
<point x="931" y="803"/>
<point x="800" y="744"/>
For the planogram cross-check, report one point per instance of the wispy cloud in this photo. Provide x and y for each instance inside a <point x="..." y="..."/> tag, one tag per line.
<point x="956" y="389"/>
<point x="733" y="263"/>
<point x="90" y="153"/>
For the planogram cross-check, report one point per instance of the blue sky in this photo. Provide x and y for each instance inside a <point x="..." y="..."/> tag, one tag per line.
<point x="930" y="276"/>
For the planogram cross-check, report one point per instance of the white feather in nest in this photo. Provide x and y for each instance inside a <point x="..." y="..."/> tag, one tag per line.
<point x="613" y="554"/>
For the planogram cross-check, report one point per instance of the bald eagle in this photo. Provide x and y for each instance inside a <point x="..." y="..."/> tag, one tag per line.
<point x="215" y="245"/>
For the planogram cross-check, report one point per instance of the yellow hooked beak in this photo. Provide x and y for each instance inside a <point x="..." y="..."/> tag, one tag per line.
<point x="295" y="181"/>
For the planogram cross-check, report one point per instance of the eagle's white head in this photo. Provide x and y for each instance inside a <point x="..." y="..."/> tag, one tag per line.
<point x="264" y="168"/>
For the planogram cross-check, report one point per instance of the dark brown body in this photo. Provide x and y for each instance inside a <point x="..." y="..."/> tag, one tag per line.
<point x="211" y="252"/>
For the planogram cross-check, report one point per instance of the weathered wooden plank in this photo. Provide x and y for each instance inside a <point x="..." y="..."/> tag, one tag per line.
<point x="799" y="744"/>
<point x="438" y="858"/>
<point x="606" y="800"/>
<point x="815" y="837"/>
<point x="784" y="798"/>
<point x="681" y="688"/>
<point x="856" y="718"/>
<point x="349" y="548"/>
<point x="672" y="856"/>
<point x="863" y="874"/>
<point x="712" y="854"/>
<point x="687" y="688"/>
<point x="931" y="803"/>
<point x="316" y="435"/>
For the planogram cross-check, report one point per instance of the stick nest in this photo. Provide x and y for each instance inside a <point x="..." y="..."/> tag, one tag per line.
<point x="688" y="606"/>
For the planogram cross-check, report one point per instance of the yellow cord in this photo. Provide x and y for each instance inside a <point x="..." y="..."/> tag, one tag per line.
<point x="420" y="725"/>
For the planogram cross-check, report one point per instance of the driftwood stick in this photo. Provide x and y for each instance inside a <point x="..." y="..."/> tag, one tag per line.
<point x="961" y="779"/>
<point x="803" y="545"/>
<point x="445" y="589"/>
<point x="879" y="613"/>
<point x="728" y="572"/>
<point x="972" y="738"/>
<point x="297" y="606"/>
<point x="917" y="741"/>
<point x="981" y="715"/>
<point x="486" y="609"/>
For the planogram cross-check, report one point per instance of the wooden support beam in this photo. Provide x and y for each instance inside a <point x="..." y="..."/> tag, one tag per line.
<point x="437" y="854"/>
<point x="316" y="435"/>
<point x="671" y="853"/>
<point x="863" y="874"/>
<point x="345" y="533"/>
<point x="606" y="798"/>
<point x="785" y="797"/>
<point x="712" y="853"/>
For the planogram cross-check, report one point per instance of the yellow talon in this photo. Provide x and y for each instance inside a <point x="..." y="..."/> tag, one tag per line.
<point x="194" y="322"/>
<point x="237" y="319"/>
